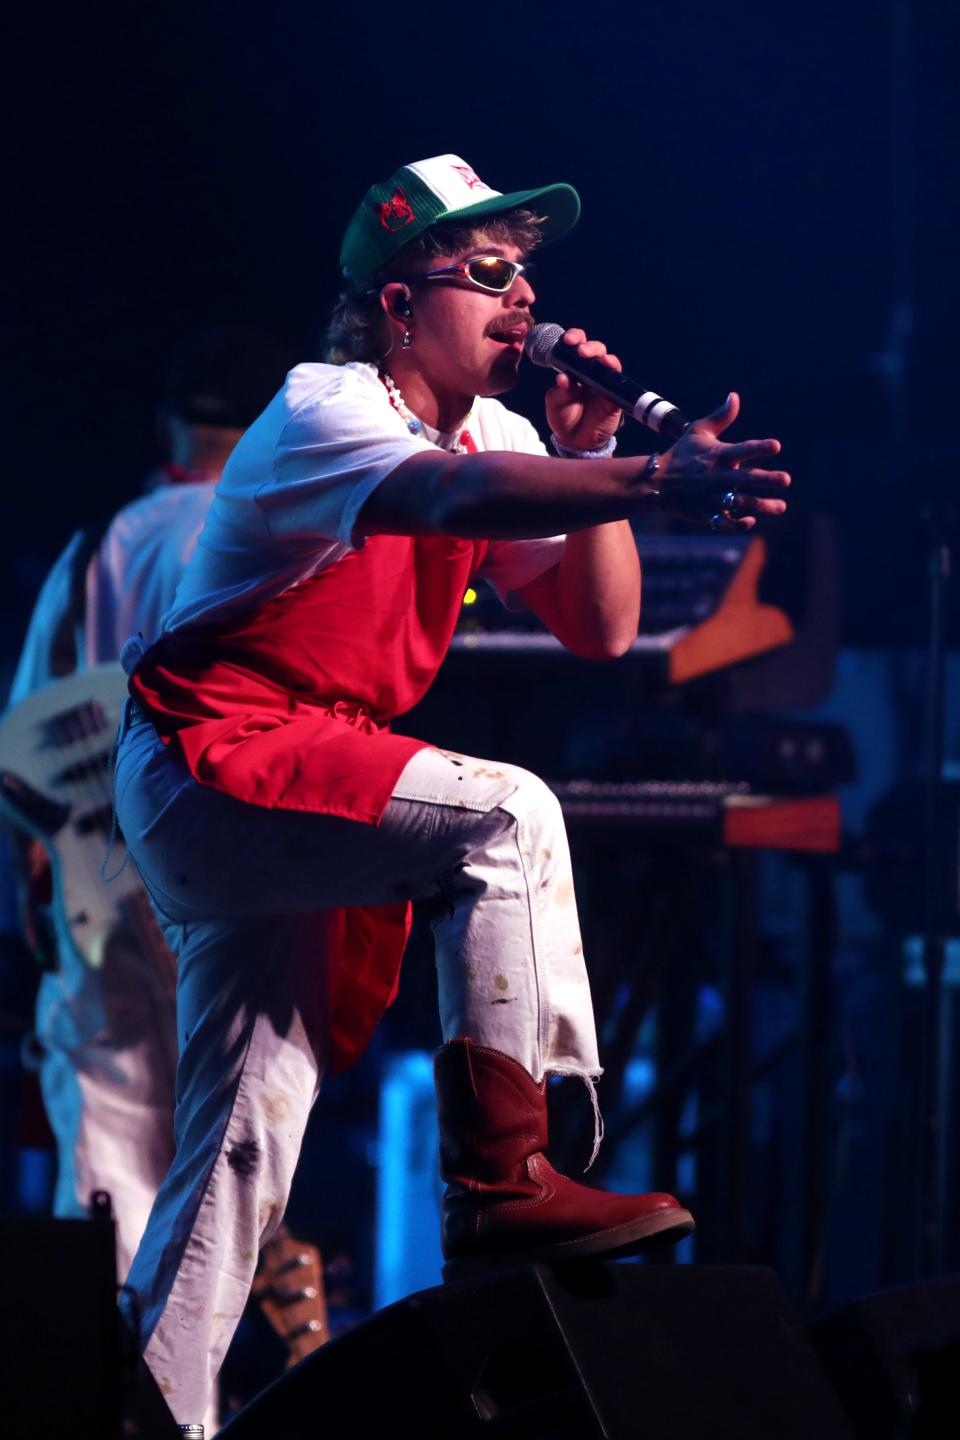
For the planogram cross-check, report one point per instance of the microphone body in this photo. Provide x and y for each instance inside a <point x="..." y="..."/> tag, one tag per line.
<point x="544" y="346"/>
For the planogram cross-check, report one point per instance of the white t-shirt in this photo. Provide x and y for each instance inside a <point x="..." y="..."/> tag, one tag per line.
<point x="130" y="582"/>
<point x="288" y="500"/>
<point x="133" y="578"/>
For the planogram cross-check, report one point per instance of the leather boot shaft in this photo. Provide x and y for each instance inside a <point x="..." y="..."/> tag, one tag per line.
<point x="492" y="1114"/>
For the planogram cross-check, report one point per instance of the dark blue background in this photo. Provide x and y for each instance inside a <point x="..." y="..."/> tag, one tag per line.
<point x="769" y="205"/>
<point x="763" y="187"/>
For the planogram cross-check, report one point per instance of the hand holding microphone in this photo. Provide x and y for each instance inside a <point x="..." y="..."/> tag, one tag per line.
<point x="700" y="477"/>
<point x="582" y="409"/>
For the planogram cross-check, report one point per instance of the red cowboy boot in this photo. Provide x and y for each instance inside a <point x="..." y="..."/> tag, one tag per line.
<point x="504" y="1201"/>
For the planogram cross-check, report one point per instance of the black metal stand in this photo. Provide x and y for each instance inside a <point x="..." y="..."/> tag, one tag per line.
<point x="940" y="523"/>
<point x="721" y="1068"/>
<point x="742" y="970"/>
<point x="816" y="1035"/>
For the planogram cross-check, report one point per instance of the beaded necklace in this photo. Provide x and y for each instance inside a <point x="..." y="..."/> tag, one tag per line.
<point x="462" y="446"/>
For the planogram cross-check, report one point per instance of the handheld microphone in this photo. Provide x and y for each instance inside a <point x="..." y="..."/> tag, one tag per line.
<point x="544" y="346"/>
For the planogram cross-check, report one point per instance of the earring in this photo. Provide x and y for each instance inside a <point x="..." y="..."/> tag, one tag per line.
<point x="407" y="340"/>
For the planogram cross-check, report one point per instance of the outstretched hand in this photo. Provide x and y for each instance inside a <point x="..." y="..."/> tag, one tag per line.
<point x="702" y="477"/>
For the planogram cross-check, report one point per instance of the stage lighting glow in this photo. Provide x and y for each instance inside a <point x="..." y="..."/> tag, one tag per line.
<point x="409" y="1188"/>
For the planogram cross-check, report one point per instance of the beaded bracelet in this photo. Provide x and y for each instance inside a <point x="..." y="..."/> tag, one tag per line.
<point x="565" y="452"/>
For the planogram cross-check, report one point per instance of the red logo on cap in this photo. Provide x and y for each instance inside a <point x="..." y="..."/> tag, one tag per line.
<point x="469" y="177"/>
<point x="395" y="212"/>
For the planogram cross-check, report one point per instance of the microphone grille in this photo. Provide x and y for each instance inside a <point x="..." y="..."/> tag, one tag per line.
<point x="539" y="343"/>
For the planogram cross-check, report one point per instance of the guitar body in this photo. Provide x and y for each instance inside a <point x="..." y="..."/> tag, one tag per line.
<point x="289" y="1286"/>
<point x="55" y="785"/>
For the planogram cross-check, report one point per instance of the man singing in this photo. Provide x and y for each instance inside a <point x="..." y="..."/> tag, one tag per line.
<point x="283" y="830"/>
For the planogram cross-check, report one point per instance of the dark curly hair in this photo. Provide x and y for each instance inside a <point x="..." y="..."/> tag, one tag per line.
<point x="357" y="328"/>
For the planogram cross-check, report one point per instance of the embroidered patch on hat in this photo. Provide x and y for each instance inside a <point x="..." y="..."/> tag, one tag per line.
<point x="395" y="212"/>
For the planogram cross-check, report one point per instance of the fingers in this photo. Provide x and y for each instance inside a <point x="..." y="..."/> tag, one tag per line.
<point x="752" y="482"/>
<point x="591" y="349"/>
<point x="720" y="419"/>
<point x="749" y="510"/>
<point x="767" y="507"/>
<point x="750" y="450"/>
<point x="746" y="522"/>
<point x="569" y="391"/>
<point x="740" y="510"/>
<point x="751" y="505"/>
<point x="738" y="522"/>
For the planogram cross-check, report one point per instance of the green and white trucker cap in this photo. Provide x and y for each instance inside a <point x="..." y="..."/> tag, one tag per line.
<point x="445" y="188"/>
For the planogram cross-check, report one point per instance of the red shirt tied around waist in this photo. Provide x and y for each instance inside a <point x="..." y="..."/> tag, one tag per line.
<point x="291" y="646"/>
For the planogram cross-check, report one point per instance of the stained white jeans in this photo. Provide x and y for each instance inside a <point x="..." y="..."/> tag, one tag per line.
<point x="238" y="888"/>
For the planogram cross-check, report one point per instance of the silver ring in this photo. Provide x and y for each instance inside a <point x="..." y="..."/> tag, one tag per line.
<point x="718" y="522"/>
<point x="731" y="505"/>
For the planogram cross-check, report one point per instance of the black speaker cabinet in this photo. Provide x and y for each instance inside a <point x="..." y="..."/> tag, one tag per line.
<point x="68" y="1366"/>
<point x="894" y="1359"/>
<point x="565" y="1353"/>
<point x="59" y="1325"/>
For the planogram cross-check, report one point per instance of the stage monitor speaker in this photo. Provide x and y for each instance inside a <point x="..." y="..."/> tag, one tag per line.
<point x="585" y="1351"/>
<point x="894" y="1359"/>
<point x="68" y="1367"/>
<point x="59" y="1357"/>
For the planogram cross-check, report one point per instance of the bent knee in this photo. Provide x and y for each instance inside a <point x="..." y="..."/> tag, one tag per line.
<point x="533" y="800"/>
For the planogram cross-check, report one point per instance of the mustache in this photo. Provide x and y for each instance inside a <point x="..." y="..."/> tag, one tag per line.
<point x="511" y="321"/>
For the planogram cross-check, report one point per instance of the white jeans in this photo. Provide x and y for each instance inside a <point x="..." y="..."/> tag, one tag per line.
<point x="106" y="1053"/>
<point x="238" y="887"/>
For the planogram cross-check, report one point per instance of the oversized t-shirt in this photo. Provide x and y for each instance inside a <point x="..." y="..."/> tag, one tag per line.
<point x="293" y="642"/>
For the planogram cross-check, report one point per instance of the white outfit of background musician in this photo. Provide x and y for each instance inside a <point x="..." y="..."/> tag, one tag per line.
<point x="105" y="1039"/>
